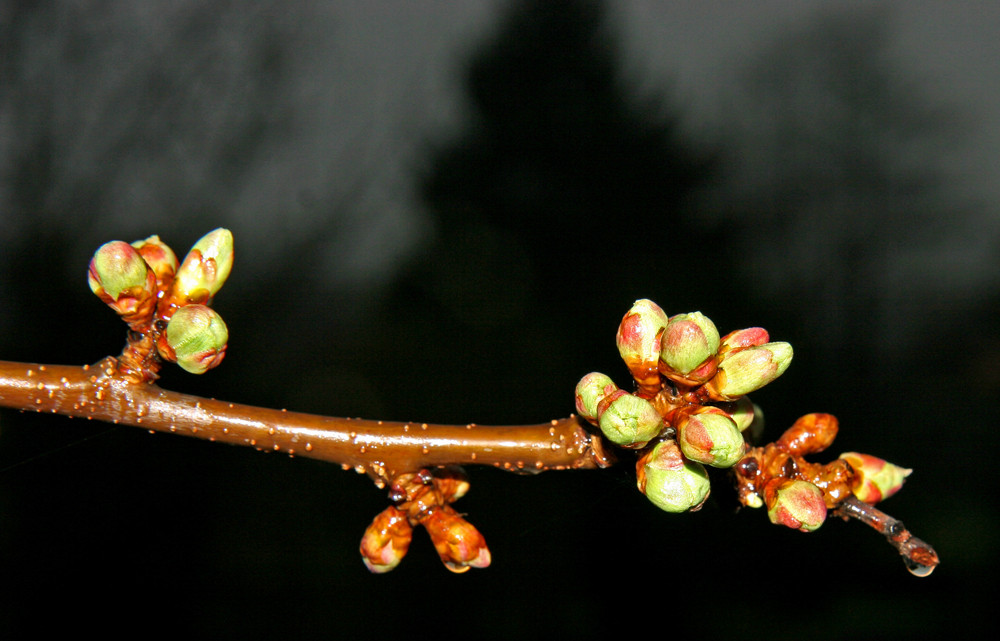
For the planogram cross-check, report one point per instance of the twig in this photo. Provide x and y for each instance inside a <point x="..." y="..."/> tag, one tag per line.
<point x="919" y="557"/>
<point x="381" y="449"/>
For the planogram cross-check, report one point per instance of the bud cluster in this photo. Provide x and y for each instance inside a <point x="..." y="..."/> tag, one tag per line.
<point x="689" y="407"/>
<point x="423" y="498"/>
<point x="798" y="493"/>
<point x="166" y="303"/>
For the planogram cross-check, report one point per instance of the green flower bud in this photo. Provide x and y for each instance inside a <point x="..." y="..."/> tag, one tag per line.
<point x="711" y="437"/>
<point x="158" y="255"/>
<point x="590" y="391"/>
<point x="122" y="279"/>
<point x="669" y="481"/>
<point x="205" y="268"/>
<point x="747" y="370"/>
<point x="628" y="420"/>
<point x="196" y="338"/>
<point x="117" y="269"/>
<point x="688" y="341"/>
<point x="795" y="504"/>
<point x="875" y="479"/>
<point x="638" y="341"/>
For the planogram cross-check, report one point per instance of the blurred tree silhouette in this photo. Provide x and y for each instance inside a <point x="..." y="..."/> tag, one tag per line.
<point x="841" y="187"/>
<point x="564" y="199"/>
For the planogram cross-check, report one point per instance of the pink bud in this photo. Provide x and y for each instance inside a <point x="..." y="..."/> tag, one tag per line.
<point x="458" y="543"/>
<point x="875" y="479"/>
<point x="795" y="504"/>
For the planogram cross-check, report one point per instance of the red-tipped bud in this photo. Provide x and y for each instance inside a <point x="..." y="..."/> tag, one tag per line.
<point x="205" y="268"/>
<point x="711" y="437"/>
<point x="628" y="420"/>
<point x="809" y="434"/>
<point x="689" y="344"/>
<point x="458" y="543"/>
<point x="638" y="341"/>
<point x="160" y="258"/>
<point x="743" y="338"/>
<point x="875" y="479"/>
<point x="386" y="541"/>
<point x="795" y="504"/>
<point x="122" y="279"/>
<point x="590" y="391"/>
<point x="671" y="482"/>
<point x="747" y="370"/>
<point x="195" y="339"/>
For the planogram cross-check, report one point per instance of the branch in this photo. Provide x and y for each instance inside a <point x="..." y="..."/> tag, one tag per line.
<point x="381" y="449"/>
<point x="689" y="409"/>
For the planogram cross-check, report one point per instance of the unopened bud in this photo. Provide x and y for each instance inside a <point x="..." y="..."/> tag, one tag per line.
<point x="875" y="479"/>
<point x="809" y="434"/>
<point x="638" y="341"/>
<point x="743" y="338"/>
<point x="458" y="543"/>
<point x="628" y="420"/>
<point x="386" y="541"/>
<point x="195" y="339"/>
<point x="590" y="391"/>
<point x="122" y="279"/>
<point x="689" y="340"/>
<point x="711" y="437"/>
<point x="671" y="482"/>
<point x="748" y="370"/>
<point x="205" y="268"/>
<point x="158" y="255"/>
<point x="795" y="504"/>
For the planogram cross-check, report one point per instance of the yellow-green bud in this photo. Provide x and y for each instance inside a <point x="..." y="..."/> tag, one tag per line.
<point x="628" y="420"/>
<point x="875" y="479"/>
<point x="590" y="391"/>
<point x="117" y="269"/>
<point x="744" y="371"/>
<point x="711" y="437"/>
<point x="688" y="341"/>
<point x="196" y="336"/>
<point x="671" y="482"/>
<point x="205" y="268"/>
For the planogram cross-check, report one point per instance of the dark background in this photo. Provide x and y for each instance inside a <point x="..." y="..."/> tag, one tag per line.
<point x="828" y="208"/>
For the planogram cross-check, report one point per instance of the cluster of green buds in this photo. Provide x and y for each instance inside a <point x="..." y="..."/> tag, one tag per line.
<point x="689" y="406"/>
<point x="166" y="303"/>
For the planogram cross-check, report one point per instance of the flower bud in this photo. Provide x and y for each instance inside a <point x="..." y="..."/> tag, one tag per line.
<point x="205" y="268"/>
<point x="671" y="482"/>
<point x="158" y="255"/>
<point x="795" y="504"/>
<point x="711" y="437"/>
<point x="746" y="414"/>
<point x="688" y="341"/>
<point x="195" y="339"/>
<point x="590" y="391"/>
<point x="809" y="434"/>
<point x="122" y="279"/>
<point x="747" y="370"/>
<point x="628" y="420"/>
<point x="458" y="543"/>
<point x="638" y="341"/>
<point x="386" y="541"/>
<point x="875" y="479"/>
<point x="743" y="338"/>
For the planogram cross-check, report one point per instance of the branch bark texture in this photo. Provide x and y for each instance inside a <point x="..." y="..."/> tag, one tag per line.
<point x="381" y="449"/>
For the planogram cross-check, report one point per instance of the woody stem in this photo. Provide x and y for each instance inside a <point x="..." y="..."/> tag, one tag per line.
<point x="381" y="449"/>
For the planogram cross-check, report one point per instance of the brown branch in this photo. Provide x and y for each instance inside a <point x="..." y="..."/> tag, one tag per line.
<point x="381" y="449"/>
<point x="919" y="557"/>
